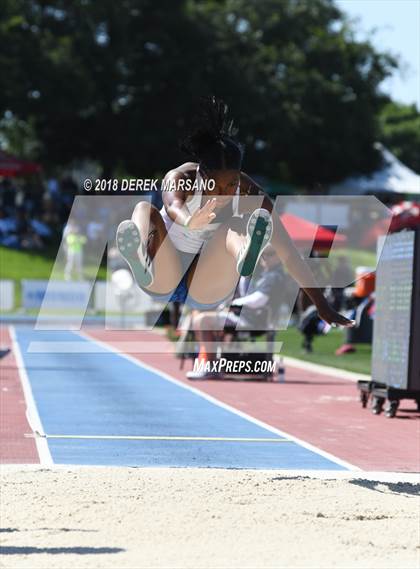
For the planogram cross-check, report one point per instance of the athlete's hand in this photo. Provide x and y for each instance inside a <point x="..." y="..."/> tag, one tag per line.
<point x="203" y="216"/>
<point x="331" y="316"/>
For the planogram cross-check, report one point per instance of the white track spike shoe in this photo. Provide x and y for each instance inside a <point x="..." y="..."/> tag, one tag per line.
<point x="130" y="245"/>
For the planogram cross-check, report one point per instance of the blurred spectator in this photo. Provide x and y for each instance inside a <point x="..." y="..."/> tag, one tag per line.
<point x="17" y="232"/>
<point x="22" y="224"/>
<point x="69" y="190"/>
<point x="322" y="273"/>
<point x="256" y="307"/>
<point x="95" y="232"/>
<point x="7" y="195"/>
<point x="342" y="273"/>
<point x="27" y="237"/>
<point x="311" y="325"/>
<point x="33" y="215"/>
<point x="75" y="242"/>
<point x="7" y="224"/>
<point x="40" y="228"/>
<point x="53" y="188"/>
<point x="34" y="192"/>
<point x="7" y="230"/>
<point x="50" y="215"/>
<point x="19" y="196"/>
<point x="360" y="306"/>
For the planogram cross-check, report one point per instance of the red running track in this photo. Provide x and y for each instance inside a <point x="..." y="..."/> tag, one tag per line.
<point x="15" y="448"/>
<point x="322" y="410"/>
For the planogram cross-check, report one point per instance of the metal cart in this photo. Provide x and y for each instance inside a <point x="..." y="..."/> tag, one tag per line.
<point x="396" y="332"/>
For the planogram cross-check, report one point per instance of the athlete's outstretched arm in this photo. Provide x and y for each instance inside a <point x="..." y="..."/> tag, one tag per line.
<point x="289" y="255"/>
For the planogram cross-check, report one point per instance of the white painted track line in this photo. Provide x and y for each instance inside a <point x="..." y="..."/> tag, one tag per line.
<point x="32" y="414"/>
<point x="160" y="438"/>
<point x="325" y="370"/>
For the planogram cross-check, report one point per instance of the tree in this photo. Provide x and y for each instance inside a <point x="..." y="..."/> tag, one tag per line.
<point x="312" y="99"/>
<point x="400" y="132"/>
<point x="117" y="81"/>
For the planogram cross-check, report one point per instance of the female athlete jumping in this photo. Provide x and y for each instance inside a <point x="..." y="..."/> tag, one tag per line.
<point x="195" y="248"/>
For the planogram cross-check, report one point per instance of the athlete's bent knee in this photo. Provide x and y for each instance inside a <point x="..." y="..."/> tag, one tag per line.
<point x="144" y="206"/>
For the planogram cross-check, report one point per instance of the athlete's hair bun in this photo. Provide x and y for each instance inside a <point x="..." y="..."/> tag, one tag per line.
<point x="212" y="140"/>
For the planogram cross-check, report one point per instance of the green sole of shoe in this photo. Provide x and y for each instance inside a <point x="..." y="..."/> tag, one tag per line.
<point x="260" y="236"/>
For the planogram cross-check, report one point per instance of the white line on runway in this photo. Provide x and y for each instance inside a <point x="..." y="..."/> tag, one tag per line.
<point x="159" y="438"/>
<point x="325" y="370"/>
<point x="32" y="414"/>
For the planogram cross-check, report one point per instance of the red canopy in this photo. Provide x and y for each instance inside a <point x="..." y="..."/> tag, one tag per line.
<point x="405" y="215"/>
<point x="305" y="232"/>
<point x="12" y="166"/>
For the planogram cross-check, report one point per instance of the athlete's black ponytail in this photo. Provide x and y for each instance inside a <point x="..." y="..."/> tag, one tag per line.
<point x="212" y="142"/>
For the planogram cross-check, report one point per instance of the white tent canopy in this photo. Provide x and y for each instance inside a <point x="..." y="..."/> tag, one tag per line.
<point x="391" y="177"/>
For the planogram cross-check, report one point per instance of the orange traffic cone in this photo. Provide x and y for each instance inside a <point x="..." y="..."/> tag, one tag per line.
<point x="202" y="354"/>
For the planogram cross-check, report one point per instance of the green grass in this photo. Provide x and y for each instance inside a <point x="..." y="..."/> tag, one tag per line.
<point x="359" y="257"/>
<point x="18" y="265"/>
<point x="324" y="348"/>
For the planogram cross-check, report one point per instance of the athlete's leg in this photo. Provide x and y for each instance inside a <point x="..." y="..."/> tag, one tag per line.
<point x="79" y="265"/>
<point x="215" y="275"/>
<point x="69" y="266"/>
<point x="145" y="244"/>
<point x="205" y="325"/>
<point x="233" y="251"/>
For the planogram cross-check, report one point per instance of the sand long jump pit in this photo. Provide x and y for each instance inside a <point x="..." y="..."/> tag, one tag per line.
<point x="77" y="517"/>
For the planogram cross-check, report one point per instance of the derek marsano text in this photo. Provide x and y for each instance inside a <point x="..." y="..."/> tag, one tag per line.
<point x="147" y="185"/>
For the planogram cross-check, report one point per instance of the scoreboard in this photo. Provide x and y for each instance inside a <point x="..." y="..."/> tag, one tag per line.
<point x="396" y="329"/>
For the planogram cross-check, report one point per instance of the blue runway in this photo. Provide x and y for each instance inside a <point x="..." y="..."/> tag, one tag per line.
<point x="100" y="394"/>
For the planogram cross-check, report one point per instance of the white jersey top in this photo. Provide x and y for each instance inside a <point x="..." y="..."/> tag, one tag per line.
<point x="191" y="240"/>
